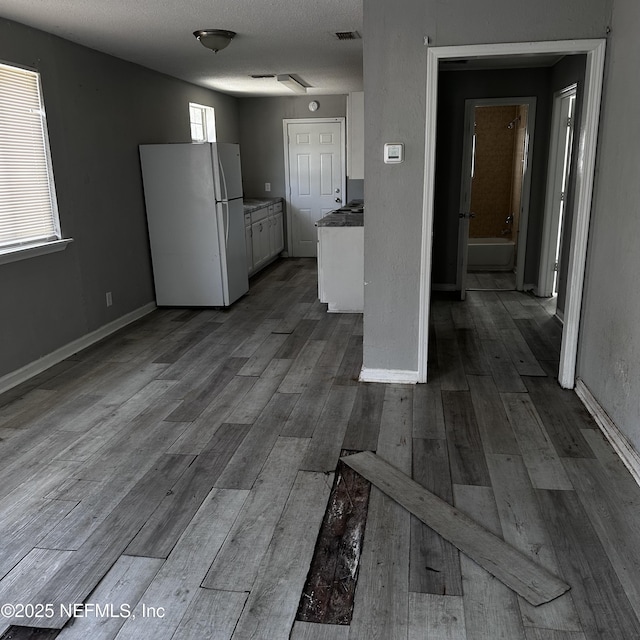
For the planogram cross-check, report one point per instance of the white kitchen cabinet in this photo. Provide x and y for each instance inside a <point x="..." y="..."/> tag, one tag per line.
<point x="248" y="241"/>
<point x="341" y="268"/>
<point x="260" y="243"/>
<point x="355" y="135"/>
<point x="279" y="232"/>
<point x="272" y="235"/>
<point x="265" y="233"/>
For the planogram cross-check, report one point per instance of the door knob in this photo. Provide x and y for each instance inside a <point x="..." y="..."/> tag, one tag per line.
<point x="338" y="199"/>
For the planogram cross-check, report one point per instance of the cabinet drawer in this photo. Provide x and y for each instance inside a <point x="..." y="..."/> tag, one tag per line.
<point x="277" y="207"/>
<point x="259" y="214"/>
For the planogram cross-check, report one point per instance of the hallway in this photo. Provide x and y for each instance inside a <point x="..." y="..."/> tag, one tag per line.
<point x="183" y="466"/>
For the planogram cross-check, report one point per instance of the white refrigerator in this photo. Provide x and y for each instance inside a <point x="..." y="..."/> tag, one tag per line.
<point x="195" y="214"/>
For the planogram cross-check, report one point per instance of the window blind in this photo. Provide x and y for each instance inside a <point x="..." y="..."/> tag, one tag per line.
<point x="28" y="212"/>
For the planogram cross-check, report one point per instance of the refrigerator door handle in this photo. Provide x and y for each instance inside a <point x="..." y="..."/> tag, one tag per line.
<point x="226" y="231"/>
<point x="225" y="195"/>
<point x="225" y="202"/>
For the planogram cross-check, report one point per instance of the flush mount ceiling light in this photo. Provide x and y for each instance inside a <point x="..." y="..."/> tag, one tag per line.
<point x="214" y="39"/>
<point x="291" y="83"/>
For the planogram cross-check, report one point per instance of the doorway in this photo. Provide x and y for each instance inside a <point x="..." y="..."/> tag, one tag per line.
<point x="561" y="147"/>
<point x="588" y="135"/>
<point x="315" y="179"/>
<point x="494" y="194"/>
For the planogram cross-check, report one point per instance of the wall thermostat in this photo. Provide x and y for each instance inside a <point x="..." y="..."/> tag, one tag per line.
<point x="393" y="152"/>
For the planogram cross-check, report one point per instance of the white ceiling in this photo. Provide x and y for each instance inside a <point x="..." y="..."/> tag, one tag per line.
<point x="273" y="37"/>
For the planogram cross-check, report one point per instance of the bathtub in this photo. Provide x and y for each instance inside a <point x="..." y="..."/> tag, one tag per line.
<point x="490" y="254"/>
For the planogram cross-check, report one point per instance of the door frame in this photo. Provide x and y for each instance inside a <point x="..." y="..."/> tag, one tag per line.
<point x="465" y="190"/>
<point x="555" y="175"/>
<point x="287" y="174"/>
<point x="587" y="139"/>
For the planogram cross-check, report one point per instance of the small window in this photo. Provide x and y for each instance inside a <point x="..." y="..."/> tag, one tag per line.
<point x="28" y="209"/>
<point x="203" y="123"/>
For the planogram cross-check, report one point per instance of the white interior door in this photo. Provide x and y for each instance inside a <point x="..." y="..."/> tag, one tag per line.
<point x="315" y="151"/>
<point x="557" y="182"/>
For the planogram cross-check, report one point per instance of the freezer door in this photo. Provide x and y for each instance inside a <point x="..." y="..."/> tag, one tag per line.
<point x="234" y="263"/>
<point x="226" y="170"/>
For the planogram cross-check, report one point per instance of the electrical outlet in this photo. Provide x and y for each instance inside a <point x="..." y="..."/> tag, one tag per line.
<point x="109" y="299"/>
<point x="267" y="186"/>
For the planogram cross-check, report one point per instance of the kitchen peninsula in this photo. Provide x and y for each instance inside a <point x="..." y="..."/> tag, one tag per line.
<point x="341" y="259"/>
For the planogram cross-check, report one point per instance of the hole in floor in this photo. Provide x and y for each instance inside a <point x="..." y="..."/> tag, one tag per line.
<point x="331" y="583"/>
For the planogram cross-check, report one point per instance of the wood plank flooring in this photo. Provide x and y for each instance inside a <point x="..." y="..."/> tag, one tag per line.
<point x="514" y="569"/>
<point x="491" y="280"/>
<point x="181" y="469"/>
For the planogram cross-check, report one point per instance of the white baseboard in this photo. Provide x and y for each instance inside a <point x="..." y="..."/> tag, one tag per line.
<point x="397" y="376"/>
<point x="621" y="444"/>
<point x="23" y="374"/>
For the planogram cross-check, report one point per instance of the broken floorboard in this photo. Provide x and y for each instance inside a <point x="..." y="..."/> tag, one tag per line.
<point x="330" y="587"/>
<point x="532" y="582"/>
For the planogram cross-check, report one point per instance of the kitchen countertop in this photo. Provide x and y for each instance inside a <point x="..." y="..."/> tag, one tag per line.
<point x="349" y="216"/>
<point x="251" y="204"/>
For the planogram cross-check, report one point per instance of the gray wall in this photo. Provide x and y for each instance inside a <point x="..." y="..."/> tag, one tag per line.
<point x="609" y="350"/>
<point x="394" y="78"/>
<point x="99" y="109"/>
<point x="261" y="137"/>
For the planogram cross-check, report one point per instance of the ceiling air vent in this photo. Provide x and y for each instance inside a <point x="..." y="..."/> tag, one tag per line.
<point x="257" y="76"/>
<point x="347" y="35"/>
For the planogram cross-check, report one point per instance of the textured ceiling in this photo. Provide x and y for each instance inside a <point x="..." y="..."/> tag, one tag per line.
<point x="273" y="37"/>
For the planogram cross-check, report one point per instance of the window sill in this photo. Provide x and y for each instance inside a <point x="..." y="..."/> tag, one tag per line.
<point x="15" y="254"/>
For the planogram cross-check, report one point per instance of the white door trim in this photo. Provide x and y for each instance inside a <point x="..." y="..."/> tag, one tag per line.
<point x="287" y="175"/>
<point x="555" y="175"/>
<point x="465" y="192"/>
<point x="587" y="139"/>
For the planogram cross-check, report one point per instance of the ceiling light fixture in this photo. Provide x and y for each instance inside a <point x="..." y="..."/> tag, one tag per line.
<point x="214" y="39"/>
<point x="291" y="83"/>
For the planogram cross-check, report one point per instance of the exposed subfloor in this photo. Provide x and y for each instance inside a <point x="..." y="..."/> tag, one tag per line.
<point x="179" y="472"/>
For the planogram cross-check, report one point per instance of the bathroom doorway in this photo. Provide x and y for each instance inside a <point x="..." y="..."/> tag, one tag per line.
<point x="494" y="195"/>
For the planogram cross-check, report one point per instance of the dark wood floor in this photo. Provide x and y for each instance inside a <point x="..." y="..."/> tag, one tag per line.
<point x="180" y="471"/>
<point x="491" y="280"/>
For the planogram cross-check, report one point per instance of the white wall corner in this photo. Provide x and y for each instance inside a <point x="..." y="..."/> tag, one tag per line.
<point x="620" y="443"/>
<point x="32" y="369"/>
<point x="388" y="376"/>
